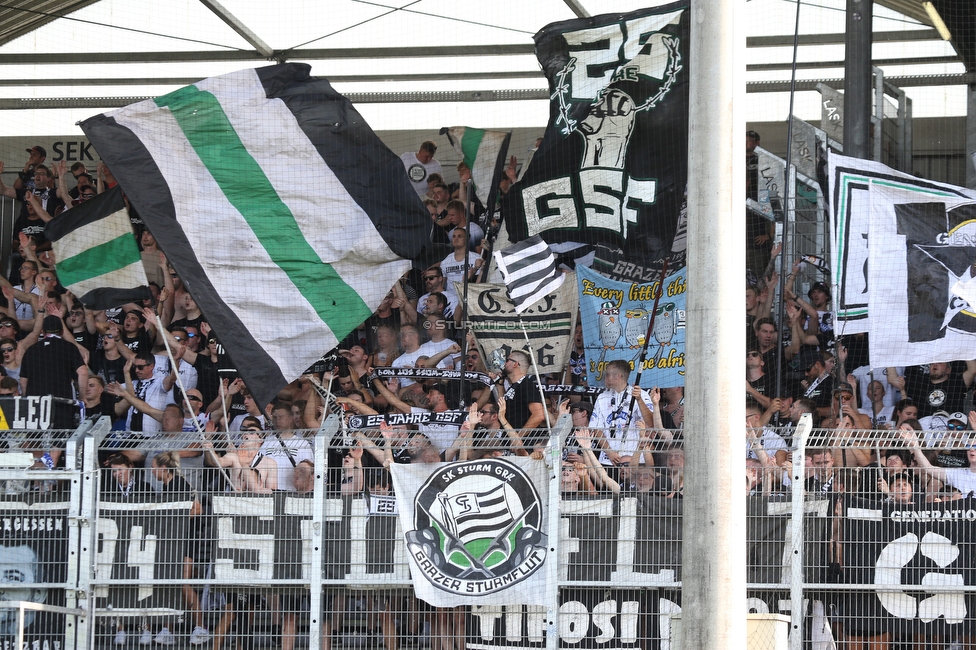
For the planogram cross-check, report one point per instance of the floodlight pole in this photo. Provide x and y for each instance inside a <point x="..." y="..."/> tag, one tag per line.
<point x="713" y="608"/>
<point x="858" y="88"/>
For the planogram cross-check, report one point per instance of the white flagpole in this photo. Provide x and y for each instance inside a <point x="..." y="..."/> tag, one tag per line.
<point x="179" y="382"/>
<point x="538" y="377"/>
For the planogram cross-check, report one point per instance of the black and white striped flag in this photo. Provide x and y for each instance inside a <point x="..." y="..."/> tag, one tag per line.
<point x="529" y="270"/>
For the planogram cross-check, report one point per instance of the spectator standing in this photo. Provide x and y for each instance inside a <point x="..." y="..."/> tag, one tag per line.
<point x="284" y="447"/>
<point x="420" y="165"/>
<point x="524" y="408"/>
<point x="757" y="382"/>
<point x="934" y="388"/>
<point x="434" y="282"/>
<point x="51" y="366"/>
<point x="875" y="409"/>
<point x="149" y="387"/>
<point x="452" y="266"/>
<point x="617" y="417"/>
<point x="456" y="215"/>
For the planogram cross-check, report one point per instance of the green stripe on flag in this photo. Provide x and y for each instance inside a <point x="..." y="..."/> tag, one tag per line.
<point x="470" y="142"/>
<point x="99" y="260"/>
<point x="241" y="179"/>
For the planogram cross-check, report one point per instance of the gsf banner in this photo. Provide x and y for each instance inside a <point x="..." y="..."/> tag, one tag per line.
<point x="612" y="168"/>
<point x="616" y="316"/>
<point x="33" y="552"/>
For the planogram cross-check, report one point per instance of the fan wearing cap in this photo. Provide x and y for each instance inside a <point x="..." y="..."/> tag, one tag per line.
<point x="941" y="429"/>
<point x="823" y="329"/>
<point x="37" y="156"/>
<point x="845" y="403"/>
<point x="815" y="383"/>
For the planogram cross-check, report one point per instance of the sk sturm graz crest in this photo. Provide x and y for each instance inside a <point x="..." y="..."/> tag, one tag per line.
<point x="477" y="528"/>
<point x="611" y="170"/>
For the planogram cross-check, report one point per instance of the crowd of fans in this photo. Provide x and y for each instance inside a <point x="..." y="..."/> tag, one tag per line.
<point x="186" y="423"/>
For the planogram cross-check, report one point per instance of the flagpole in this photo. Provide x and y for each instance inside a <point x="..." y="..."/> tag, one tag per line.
<point x="647" y="340"/>
<point x="491" y="235"/>
<point x="538" y="377"/>
<point x="189" y="407"/>
<point x="464" y="312"/>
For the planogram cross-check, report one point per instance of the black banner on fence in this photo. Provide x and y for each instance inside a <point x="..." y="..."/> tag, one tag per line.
<point x="38" y="412"/>
<point x="34" y="541"/>
<point x="260" y="539"/>
<point x="902" y="551"/>
<point x="619" y="563"/>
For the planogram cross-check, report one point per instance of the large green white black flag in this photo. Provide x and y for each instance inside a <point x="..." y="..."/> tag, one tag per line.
<point x="612" y="167"/>
<point x="475" y="531"/>
<point x="282" y="212"/>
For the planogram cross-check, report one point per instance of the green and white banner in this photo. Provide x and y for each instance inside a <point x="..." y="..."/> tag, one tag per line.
<point x="97" y="255"/>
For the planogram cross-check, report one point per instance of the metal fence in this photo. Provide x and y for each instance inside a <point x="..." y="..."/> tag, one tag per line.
<point x="190" y="546"/>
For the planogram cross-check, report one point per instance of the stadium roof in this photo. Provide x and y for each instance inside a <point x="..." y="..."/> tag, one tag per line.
<point x="82" y="56"/>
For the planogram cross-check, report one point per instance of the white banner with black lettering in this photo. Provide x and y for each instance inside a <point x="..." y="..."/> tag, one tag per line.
<point x="549" y="324"/>
<point x="475" y="531"/>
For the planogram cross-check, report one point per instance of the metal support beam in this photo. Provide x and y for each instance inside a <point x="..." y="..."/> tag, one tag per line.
<point x="786" y="40"/>
<point x="356" y="98"/>
<point x="857" y="96"/>
<point x="425" y="52"/>
<point x="713" y="607"/>
<point x="914" y="81"/>
<point x="816" y="65"/>
<point x="352" y="78"/>
<point x="234" y="23"/>
<point x="577" y="8"/>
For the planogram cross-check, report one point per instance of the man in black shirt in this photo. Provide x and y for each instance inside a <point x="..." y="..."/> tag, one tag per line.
<point x="936" y="390"/>
<point x="134" y="334"/>
<point x="817" y="384"/>
<point x="523" y="403"/>
<point x="51" y="364"/>
<point x="49" y="368"/>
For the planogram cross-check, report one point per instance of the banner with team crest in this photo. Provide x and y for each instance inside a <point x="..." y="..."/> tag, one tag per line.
<point x="615" y="317"/>
<point x="475" y="531"/>
<point x="922" y="247"/>
<point x="859" y="203"/>
<point x="612" y="168"/>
